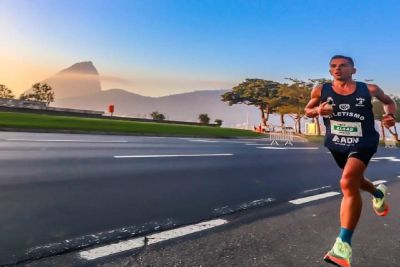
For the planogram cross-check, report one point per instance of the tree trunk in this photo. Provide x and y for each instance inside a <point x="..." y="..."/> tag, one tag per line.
<point x="263" y="120"/>
<point x="318" y="125"/>
<point x="282" y="120"/>
<point x="298" y="121"/>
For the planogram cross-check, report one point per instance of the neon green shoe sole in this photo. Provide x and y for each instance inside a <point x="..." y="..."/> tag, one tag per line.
<point x="340" y="254"/>
<point x="380" y="206"/>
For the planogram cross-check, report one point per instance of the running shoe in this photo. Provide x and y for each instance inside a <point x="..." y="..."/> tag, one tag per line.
<point x="340" y="254"/>
<point x="381" y="208"/>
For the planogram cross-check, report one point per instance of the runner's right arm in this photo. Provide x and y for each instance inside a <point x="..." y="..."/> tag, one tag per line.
<point x="314" y="107"/>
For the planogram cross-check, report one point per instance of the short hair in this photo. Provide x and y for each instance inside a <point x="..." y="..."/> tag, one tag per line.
<point x="349" y="59"/>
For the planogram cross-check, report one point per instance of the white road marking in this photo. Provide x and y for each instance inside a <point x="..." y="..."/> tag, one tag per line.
<point x="203" y="141"/>
<point x="312" y="198"/>
<point x="100" y="252"/>
<point x="170" y="156"/>
<point x="253" y="144"/>
<point x="282" y="148"/>
<point x="159" y="237"/>
<point x="71" y="140"/>
<point x="315" y="189"/>
<point x="220" y="141"/>
<point x="379" y="182"/>
<point x="387" y="158"/>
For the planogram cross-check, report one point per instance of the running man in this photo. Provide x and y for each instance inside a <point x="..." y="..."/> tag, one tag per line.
<point x="352" y="139"/>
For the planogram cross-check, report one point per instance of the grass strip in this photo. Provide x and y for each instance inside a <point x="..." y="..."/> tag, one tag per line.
<point x="28" y="121"/>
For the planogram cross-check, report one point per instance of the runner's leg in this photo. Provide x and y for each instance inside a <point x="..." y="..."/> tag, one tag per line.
<point x="367" y="185"/>
<point x="350" y="183"/>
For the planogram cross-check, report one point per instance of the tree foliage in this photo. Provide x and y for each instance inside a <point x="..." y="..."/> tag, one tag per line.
<point x="255" y="92"/>
<point x="5" y="92"/>
<point x="39" y="92"/>
<point x="157" y="116"/>
<point x="292" y="99"/>
<point x="204" y="118"/>
<point x="218" y="122"/>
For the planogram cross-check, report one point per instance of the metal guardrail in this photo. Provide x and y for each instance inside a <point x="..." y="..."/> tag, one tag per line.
<point x="284" y="135"/>
<point x="16" y="103"/>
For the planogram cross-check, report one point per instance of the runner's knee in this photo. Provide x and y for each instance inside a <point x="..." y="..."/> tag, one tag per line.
<point x="349" y="184"/>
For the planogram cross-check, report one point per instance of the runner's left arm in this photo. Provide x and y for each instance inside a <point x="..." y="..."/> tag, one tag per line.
<point x="389" y="106"/>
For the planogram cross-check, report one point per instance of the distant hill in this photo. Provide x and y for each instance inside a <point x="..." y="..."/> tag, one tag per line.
<point x="79" y="87"/>
<point x="78" y="80"/>
<point x="182" y="107"/>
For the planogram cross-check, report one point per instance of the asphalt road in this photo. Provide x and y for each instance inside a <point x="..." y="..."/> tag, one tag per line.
<point x="61" y="192"/>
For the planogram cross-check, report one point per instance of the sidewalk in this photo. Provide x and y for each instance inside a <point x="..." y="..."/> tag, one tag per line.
<point x="299" y="237"/>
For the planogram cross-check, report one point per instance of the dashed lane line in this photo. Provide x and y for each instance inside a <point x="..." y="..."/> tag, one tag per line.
<point x="312" y="198"/>
<point x="122" y="246"/>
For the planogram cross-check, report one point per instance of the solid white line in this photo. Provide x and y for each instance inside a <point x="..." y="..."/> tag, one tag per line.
<point x="104" y="251"/>
<point x="379" y="182"/>
<point x="74" y="141"/>
<point x="204" y="141"/>
<point x="253" y="144"/>
<point x="312" y="198"/>
<point x="281" y="148"/>
<point x="170" y="156"/>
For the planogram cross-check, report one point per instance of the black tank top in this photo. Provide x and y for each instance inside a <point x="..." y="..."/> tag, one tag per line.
<point x="352" y="122"/>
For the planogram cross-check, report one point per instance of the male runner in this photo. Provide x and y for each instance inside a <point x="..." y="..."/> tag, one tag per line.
<point x="352" y="139"/>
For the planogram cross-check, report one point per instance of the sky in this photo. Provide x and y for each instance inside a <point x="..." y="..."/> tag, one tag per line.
<point x="164" y="47"/>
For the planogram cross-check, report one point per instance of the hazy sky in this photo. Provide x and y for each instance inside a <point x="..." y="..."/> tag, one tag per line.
<point x="162" y="47"/>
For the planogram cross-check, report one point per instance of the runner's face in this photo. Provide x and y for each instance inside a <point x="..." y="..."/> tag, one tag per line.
<point x="341" y="69"/>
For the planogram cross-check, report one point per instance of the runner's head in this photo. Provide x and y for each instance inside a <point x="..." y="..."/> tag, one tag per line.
<point x="342" y="68"/>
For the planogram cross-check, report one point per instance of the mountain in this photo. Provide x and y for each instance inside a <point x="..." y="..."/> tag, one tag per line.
<point x="182" y="107"/>
<point x="79" y="87"/>
<point x="78" y="80"/>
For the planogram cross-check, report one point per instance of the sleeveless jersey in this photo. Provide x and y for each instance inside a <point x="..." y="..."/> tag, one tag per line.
<point x="352" y="123"/>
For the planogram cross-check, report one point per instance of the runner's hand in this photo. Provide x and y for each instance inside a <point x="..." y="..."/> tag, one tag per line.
<point x="388" y="120"/>
<point x="325" y="109"/>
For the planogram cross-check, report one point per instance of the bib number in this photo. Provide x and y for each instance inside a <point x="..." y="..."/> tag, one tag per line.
<point x="346" y="128"/>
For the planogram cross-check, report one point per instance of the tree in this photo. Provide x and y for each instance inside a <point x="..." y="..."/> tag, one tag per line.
<point x="157" y="116"/>
<point x="5" y="92"/>
<point x="204" y="119"/>
<point x="254" y="92"/>
<point x="39" y="92"/>
<point x="293" y="98"/>
<point x="218" y="122"/>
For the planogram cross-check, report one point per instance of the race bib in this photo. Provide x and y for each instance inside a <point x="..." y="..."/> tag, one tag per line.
<point x="346" y="128"/>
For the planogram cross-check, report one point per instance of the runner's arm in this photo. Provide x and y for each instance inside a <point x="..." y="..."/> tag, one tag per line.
<point x="389" y="106"/>
<point x="311" y="108"/>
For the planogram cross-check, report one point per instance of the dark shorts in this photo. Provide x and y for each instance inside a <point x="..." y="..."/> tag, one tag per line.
<point x="363" y="154"/>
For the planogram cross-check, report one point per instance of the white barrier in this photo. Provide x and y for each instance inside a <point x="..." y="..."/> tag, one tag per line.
<point x="390" y="142"/>
<point x="282" y="136"/>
